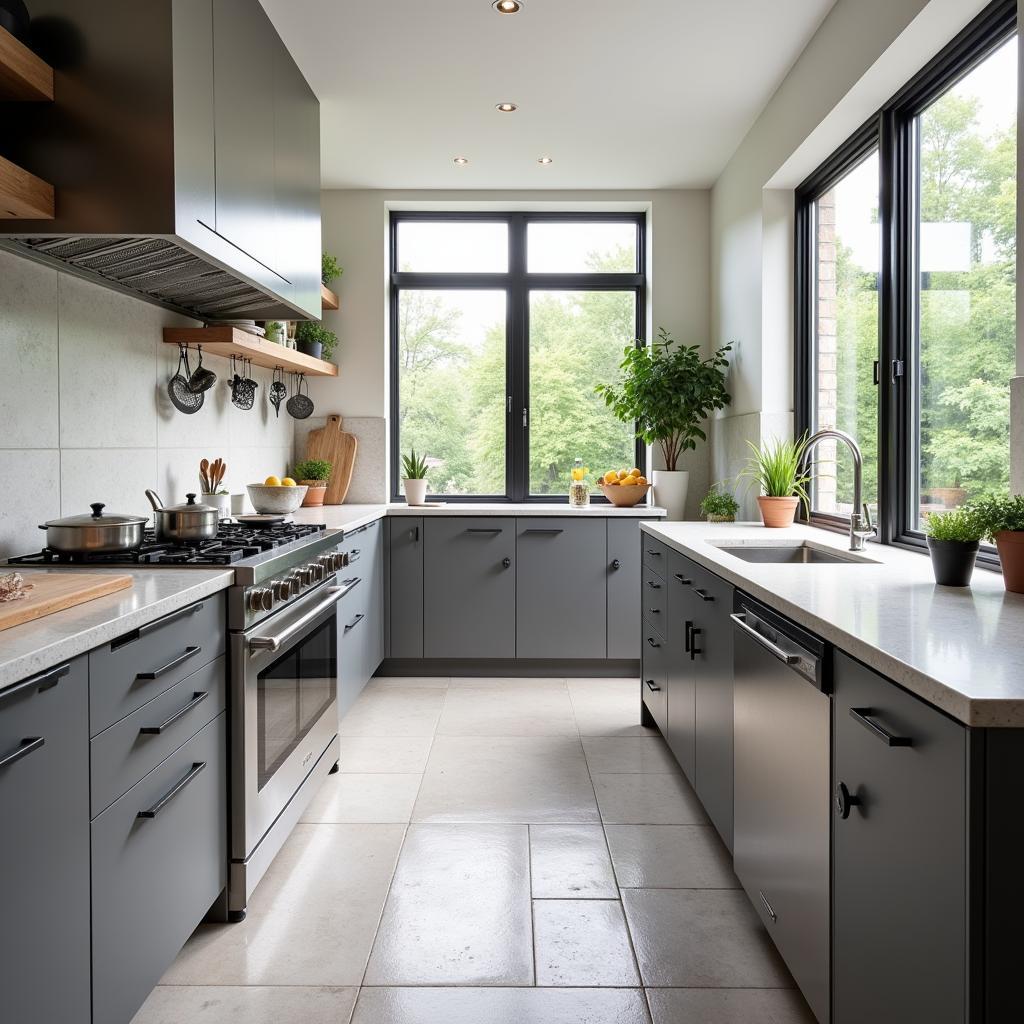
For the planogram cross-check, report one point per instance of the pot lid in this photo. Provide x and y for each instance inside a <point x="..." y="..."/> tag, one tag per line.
<point x="98" y="518"/>
<point x="190" y="504"/>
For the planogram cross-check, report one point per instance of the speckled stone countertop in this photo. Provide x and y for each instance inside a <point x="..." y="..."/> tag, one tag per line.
<point x="42" y="643"/>
<point x="961" y="650"/>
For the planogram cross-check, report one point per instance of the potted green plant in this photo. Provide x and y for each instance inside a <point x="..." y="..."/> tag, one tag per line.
<point x="314" y="473"/>
<point x="953" y="541"/>
<point x="315" y="340"/>
<point x="667" y="390"/>
<point x="275" y="331"/>
<point x="1002" y="520"/>
<point x="330" y="269"/>
<point x="719" y="508"/>
<point x="777" y="469"/>
<point x="414" y="478"/>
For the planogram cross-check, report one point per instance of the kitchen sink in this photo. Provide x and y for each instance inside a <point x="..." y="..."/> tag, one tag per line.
<point x="792" y="554"/>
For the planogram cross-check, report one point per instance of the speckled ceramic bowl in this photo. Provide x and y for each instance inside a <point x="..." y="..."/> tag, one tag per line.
<point x="625" y="497"/>
<point x="280" y="500"/>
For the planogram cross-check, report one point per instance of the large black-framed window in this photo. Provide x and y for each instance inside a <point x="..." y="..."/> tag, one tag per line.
<point x="501" y="325"/>
<point x="905" y="290"/>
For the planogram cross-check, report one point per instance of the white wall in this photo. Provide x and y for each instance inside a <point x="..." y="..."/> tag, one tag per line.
<point x="84" y="412"/>
<point x="355" y="230"/>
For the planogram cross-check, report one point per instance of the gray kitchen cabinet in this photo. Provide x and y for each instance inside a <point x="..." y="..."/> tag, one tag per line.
<point x="623" y="577"/>
<point x="561" y="584"/>
<point x="44" y="853"/>
<point x="653" y="679"/>
<point x="469" y="590"/>
<point x="405" y="587"/>
<point x="373" y="543"/>
<point x="360" y="614"/>
<point x="681" y="734"/>
<point x="899" y="848"/>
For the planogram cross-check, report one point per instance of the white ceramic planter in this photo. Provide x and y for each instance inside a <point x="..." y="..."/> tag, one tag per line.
<point x="415" y="492"/>
<point x="670" y="491"/>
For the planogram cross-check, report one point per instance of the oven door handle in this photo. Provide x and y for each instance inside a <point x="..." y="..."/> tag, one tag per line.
<point x="274" y="643"/>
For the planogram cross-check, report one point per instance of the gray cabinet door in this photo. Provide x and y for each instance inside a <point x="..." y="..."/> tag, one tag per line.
<point x="682" y="687"/>
<point x="44" y="852"/>
<point x="469" y="589"/>
<point x="653" y="692"/>
<point x="899" y="859"/>
<point x="623" y="573"/>
<point x="374" y="647"/>
<point x="561" y="588"/>
<point x="405" y="587"/>
<point x="353" y="621"/>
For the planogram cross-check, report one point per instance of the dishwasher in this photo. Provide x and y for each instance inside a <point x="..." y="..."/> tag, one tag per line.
<point x="782" y="788"/>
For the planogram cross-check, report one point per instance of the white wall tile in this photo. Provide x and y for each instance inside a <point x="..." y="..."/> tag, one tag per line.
<point x="33" y="475"/>
<point x="116" y="476"/>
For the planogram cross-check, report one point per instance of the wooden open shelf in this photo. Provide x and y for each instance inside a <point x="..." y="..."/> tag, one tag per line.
<point x="23" y="195"/>
<point x="329" y="299"/>
<point x="228" y="341"/>
<point x="23" y="76"/>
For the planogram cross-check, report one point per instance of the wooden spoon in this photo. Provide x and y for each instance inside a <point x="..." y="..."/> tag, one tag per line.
<point x="204" y="475"/>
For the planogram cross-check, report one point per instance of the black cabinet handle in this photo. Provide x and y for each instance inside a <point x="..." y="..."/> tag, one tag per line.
<point x="355" y="622"/>
<point x="43" y="681"/>
<point x="549" y="532"/>
<point x="653" y="585"/>
<point x="703" y="594"/>
<point x="190" y="652"/>
<point x="654" y="553"/>
<point x="414" y="534"/>
<point x="197" y="767"/>
<point x="865" y="716"/>
<point x="22" y="750"/>
<point x="769" y="910"/>
<point x="695" y="631"/>
<point x="845" y="800"/>
<point x="616" y="564"/>
<point x="655" y="611"/>
<point x="682" y="579"/>
<point x="686" y="636"/>
<point x="507" y="562"/>
<point x="482" y="529"/>
<point x="174" y="616"/>
<point x="653" y="686"/>
<point x="653" y="642"/>
<point x="154" y="730"/>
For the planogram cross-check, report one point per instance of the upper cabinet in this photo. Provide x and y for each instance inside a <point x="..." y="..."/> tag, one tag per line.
<point x="185" y="139"/>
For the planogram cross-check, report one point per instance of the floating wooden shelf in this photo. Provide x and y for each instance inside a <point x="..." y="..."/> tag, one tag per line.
<point x="228" y="341"/>
<point x="23" y="76"/>
<point x="328" y="299"/>
<point x="23" y="195"/>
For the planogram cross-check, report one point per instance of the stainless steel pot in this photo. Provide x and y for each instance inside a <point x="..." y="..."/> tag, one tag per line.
<point x="180" y="523"/>
<point x="94" y="533"/>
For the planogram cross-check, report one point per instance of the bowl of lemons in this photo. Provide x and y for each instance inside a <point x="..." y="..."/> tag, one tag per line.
<point x="276" y="496"/>
<point x="624" y="487"/>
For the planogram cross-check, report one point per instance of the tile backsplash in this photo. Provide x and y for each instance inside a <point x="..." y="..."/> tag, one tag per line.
<point x="84" y="412"/>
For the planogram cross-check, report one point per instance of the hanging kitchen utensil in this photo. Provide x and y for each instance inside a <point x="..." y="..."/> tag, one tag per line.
<point x="238" y="393"/>
<point x="202" y="379"/>
<point x="183" y="399"/>
<point x="249" y="386"/>
<point x="278" y="391"/>
<point x="300" y="406"/>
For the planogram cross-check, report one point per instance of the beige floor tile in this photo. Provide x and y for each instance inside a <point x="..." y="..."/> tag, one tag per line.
<point x="394" y="711"/>
<point x="312" y="919"/>
<point x="422" y="682"/>
<point x="364" y="799"/>
<point x="639" y="754"/>
<point x="728" y="1006"/>
<point x="511" y="710"/>
<point x="701" y="938"/>
<point x="582" y="942"/>
<point x="538" y="780"/>
<point x="570" y="862"/>
<point x="506" y="683"/>
<point x="648" y="800"/>
<point x="670" y="857"/>
<point x="607" y="707"/>
<point x="500" y="1006"/>
<point x="398" y="754"/>
<point x="459" y="909"/>
<point x="255" y="1004"/>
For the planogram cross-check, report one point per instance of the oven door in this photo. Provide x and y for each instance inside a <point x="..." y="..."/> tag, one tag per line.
<point x="285" y="688"/>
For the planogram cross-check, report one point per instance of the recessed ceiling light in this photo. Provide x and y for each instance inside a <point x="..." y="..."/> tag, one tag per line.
<point x="507" y="108"/>
<point x="461" y="161"/>
<point x="507" y="6"/>
<point x="545" y="160"/>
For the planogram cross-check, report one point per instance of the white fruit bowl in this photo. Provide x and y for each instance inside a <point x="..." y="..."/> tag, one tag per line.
<point x="279" y="500"/>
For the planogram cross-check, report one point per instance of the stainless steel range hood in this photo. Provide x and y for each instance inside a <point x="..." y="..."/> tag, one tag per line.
<point x="183" y="146"/>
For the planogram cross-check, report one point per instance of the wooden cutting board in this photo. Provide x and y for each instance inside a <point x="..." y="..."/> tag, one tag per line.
<point x="54" y="591"/>
<point x="333" y="445"/>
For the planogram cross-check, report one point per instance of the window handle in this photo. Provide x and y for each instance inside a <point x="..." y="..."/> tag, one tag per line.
<point x="526" y="417"/>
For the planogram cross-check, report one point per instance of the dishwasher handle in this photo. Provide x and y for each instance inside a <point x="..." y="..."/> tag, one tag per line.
<point x="740" y="618"/>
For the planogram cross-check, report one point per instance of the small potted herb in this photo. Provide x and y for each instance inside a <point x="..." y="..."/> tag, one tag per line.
<point x="414" y="478"/>
<point x="1002" y="520"/>
<point x="275" y="331"/>
<point x="314" y="473"/>
<point x="719" y="508"/>
<point x="777" y="469"/>
<point x="330" y="269"/>
<point x="953" y="541"/>
<point x="313" y="339"/>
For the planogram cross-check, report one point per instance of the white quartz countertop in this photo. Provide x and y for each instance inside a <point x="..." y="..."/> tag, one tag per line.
<point x="959" y="649"/>
<point x="42" y="643"/>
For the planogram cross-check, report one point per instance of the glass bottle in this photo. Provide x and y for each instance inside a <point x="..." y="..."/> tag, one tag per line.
<point x="579" y="485"/>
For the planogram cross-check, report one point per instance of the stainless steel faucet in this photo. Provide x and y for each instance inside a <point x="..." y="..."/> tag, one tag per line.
<point x="861" y="527"/>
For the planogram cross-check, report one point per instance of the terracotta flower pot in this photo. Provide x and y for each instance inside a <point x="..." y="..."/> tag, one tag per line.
<point x="778" y="512"/>
<point x="1010" y="544"/>
<point x="316" y="493"/>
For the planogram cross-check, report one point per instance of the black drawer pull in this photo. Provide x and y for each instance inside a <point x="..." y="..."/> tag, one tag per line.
<point x="414" y="535"/>
<point x="548" y="532"/>
<point x="197" y="767"/>
<point x="44" y="681"/>
<point x="355" y="622"/>
<point x="654" y="553"/>
<point x="686" y="636"/>
<point x="616" y="564"/>
<point x="653" y="642"/>
<point x="485" y="529"/>
<point x="174" y="616"/>
<point x="653" y="585"/>
<point x="695" y="631"/>
<point x="173" y="663"/>
<point x="653" y="686"/>
<point x="845" y="800"/>
<point x="154" y="730"/>
<point x="22" y="750"/>
<point x="767" y="906"/>
<point x="703" y="594"/>
<point x="655" y="611"/>
<point x="682" y="579"/>
<point x="865" y="716"/>
<point x="507" y="562"/>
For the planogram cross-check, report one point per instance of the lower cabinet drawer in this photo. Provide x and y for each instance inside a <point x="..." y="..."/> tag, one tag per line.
<point x="655" y="597"/>
<point x="159" y="860"/>
<point x="353" y="621"/>
<point x="125" y="752"/>
<point x="654" y="679"/>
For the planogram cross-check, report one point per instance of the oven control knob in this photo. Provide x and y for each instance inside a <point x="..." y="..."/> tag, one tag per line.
<point x="315" y="572"/>
<point x="305" y="574"/>
<point x="282" y="589"/>
<point x="340" y="559"/>
<point x="261" y="599"/>
<point x="296" y="581"/>
<point x="327" y="563"/>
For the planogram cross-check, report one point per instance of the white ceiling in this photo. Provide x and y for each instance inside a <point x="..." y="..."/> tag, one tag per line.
<point x="620" y="93"/>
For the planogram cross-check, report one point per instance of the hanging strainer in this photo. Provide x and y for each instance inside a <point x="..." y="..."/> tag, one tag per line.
<point x="203" y="379"/>
<point x="183" y="399"/>
<point x="300" y="406"/>
<point x="278" y="392"/>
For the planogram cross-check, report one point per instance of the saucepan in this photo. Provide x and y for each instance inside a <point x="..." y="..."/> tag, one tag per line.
<point x="183" y="523"/>
<point x="101" y="531"/>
